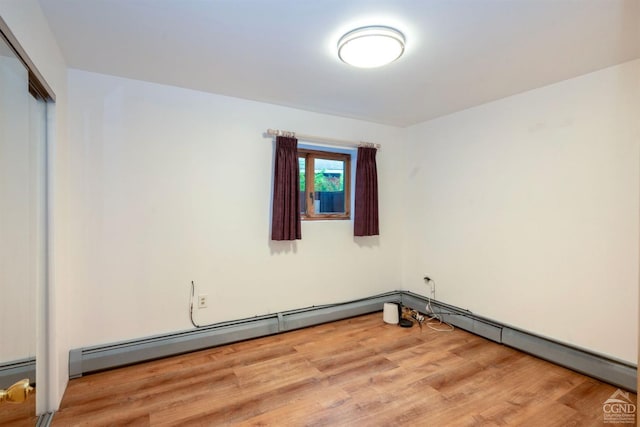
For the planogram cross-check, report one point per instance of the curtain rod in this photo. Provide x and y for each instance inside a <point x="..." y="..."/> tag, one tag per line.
<point x="330" y="141"/>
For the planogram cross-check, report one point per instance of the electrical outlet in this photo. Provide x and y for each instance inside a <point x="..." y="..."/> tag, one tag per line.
<point x="202" y="301"/>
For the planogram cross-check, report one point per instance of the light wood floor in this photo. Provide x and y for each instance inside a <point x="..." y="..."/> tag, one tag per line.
<point x="355" y="372"/>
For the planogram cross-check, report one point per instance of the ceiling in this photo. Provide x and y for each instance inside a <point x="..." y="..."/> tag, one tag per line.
<point x="459" y="53"/>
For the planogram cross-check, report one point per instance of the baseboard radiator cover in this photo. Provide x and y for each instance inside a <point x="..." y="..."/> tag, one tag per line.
<point x="14" y="371"/>
<point x="605" y="369"/>
<point x="92" y="359"/>
<point x="615" y="372"/>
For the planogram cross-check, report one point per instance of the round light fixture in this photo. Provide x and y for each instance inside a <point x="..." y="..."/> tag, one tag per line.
<point x="370" y="47"/>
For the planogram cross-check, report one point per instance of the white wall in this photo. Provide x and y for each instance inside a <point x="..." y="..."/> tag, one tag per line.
<point x="176" y="185"/>
<point x="29" y="26"/>
<point x="525" y="210"/>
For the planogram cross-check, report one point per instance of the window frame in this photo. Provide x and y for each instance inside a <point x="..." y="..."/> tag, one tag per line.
<point x="309" y="191"/>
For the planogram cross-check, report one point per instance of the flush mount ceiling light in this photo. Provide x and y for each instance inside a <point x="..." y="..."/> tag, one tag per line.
<point x="370" y="47"/>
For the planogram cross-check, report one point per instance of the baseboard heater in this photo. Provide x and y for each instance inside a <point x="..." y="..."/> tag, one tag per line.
<point x="616" y="372"/>
<point x="92" y="359"/>
<point x="14" y="371"/>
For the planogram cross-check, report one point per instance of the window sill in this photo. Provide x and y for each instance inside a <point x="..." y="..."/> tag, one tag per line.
<point x="325" y="218"/>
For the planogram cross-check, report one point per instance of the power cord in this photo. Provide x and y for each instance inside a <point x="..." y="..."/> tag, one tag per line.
<point x="435" y="321"/>
<point x="193" y="294"/>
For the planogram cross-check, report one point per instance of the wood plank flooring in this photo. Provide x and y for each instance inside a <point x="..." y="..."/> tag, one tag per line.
<point x="354" y="372"/>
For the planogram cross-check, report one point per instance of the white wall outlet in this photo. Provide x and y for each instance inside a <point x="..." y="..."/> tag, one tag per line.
<point x="202" y="301"/>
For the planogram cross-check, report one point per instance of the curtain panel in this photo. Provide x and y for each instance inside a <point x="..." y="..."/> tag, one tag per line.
<point x="285" y="219"/>
<point x="366" y="203"/>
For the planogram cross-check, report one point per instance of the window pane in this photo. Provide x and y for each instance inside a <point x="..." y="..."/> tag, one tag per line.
<point x="303" y="200"/>
<point x="329" y="186"/>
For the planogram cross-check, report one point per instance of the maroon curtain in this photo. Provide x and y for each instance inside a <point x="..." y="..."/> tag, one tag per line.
<point x="366" y="204"/>
<point x="285" y="221"/>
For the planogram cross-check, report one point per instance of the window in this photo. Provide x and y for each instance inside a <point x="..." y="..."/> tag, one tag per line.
<point x="325" y="179"/>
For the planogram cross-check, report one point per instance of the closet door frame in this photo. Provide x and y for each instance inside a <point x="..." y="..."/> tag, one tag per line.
<point x="40" y="89"/>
